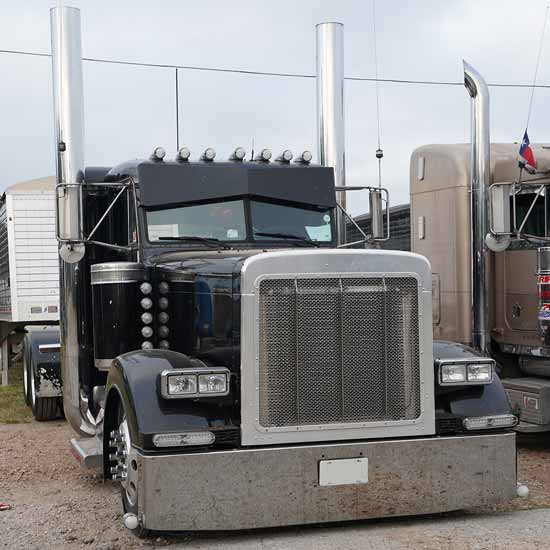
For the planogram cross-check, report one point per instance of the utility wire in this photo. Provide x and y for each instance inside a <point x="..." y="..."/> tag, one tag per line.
<point x="268" y="73"/>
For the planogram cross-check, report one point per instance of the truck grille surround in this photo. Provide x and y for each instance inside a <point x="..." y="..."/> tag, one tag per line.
<point x="337" y="350"/>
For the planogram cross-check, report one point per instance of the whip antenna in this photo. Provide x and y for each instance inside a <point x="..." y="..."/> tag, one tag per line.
<point x="379" y="151"/>
<point x="526" y="158"/>
<point x="541" y="44"/>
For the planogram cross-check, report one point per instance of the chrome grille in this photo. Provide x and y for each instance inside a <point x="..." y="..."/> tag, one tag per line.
<point x="338" y="350"/>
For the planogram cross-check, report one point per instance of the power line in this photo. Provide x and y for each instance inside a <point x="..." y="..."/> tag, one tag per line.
<point x="276" y="74"/>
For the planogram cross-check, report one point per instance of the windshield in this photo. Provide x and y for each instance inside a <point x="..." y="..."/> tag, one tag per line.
<point x="227" y="221"/>
<point x="313" y="225"/>
<point x="224" y="221"/>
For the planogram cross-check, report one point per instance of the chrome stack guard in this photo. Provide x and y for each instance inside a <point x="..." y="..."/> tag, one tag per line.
<point x="267" y="487"/>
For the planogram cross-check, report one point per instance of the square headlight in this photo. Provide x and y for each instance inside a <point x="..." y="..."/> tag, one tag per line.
<point x="480" y="372"/>
<point x="182" y="384"/>
<point x="213" y="383"/>
<point x="453" y="373"/>
<point x="195" y="383"/>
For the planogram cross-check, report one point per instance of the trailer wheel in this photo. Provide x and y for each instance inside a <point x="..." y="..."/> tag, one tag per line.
<point x="125" y="469"/>
<point x="43" y="408"/>
<point x="26" y="374"/>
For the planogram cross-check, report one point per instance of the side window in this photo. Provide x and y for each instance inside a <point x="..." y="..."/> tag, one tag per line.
<point x="536" y="223"/>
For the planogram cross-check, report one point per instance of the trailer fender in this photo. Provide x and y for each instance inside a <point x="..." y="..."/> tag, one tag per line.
<point x="134" y="381"/>
<point x="468" y="400"/>
<point x="41" y="346"/>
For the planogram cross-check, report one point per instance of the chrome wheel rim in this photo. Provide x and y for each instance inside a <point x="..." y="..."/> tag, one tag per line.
<point x="125" y="469"/>
<point x="33" y="390"/>
<point x="25" y="378"/>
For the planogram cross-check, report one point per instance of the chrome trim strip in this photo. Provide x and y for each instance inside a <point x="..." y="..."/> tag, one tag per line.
<point x="49" y="348"/>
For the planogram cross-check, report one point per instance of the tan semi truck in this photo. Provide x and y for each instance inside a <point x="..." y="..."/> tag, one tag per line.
<point x="483" y="222"/>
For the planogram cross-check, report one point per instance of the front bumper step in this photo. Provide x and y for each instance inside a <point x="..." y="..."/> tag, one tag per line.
<point x="267" y="487"/>
<point x="88" y="452"/>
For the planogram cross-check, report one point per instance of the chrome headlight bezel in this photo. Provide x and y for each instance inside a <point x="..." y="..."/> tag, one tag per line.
<point x="165" y="375"/>
<point x="466" y="363"/>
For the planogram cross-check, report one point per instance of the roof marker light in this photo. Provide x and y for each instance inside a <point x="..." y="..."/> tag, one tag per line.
<point x="263" y="156"/>
<point x="286" y="156"/>
<point x="238" y="154"/>
<point x="304" y="158"/>
<point x="209" y="154"/>
<point x="158" y="154"/>
<point x="183" y="154"/>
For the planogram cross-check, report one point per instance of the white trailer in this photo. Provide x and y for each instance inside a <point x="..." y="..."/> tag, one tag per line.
<point x="29" y="265"/>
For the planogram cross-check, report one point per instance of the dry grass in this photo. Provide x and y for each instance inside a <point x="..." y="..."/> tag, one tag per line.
<point x="12" y="404"/>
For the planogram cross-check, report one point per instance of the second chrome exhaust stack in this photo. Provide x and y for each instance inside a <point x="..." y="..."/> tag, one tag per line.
<point x="480" y="179"/>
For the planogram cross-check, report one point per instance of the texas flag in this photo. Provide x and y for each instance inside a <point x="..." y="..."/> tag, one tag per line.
<point x="526" y="157"/>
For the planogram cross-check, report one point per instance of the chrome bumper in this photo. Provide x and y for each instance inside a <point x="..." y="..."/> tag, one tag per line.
<point x="266" y="487"/>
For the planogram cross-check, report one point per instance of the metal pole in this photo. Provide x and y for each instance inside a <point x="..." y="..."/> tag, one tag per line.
<point x="330" y="110"/>
<point x="68" y="103"/>
<point x="480" y="170"/>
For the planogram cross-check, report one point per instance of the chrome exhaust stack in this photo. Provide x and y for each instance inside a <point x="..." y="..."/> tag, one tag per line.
<point x="480" y="176"/>
<point x="69" y="142"/>
<point x="330" y="110"/>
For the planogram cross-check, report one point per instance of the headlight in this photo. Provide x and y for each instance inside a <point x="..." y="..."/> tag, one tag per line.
<point x="186" y="383"/>
<point x="453" y="374"/>
<point x="182" y="384"/>
<point x="212" y="383"/>
<point x="480" y="372"/>
<point x="465" y="371"/>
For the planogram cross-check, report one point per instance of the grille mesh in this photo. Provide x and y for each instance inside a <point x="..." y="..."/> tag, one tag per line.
<point x="338" y="350"/>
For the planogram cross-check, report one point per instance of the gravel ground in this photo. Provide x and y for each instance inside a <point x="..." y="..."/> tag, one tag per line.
<point x="56" y="505"/>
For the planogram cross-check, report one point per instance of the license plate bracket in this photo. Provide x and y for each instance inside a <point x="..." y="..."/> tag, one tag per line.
<point x="343" y="471"/>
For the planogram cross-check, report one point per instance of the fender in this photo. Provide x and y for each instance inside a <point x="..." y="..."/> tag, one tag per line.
<point x="47" y="363"/>
<point x="134" y="380"/>
<point x="458" y="402"/>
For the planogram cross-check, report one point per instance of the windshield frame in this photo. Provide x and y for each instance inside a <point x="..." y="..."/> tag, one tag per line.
<point x="249" y="239"/>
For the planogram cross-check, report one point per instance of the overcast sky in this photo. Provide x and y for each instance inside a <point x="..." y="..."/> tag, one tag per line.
<point x="129" y="110"/>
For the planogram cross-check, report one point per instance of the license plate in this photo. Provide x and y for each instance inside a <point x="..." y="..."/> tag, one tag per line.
<point x="343" y="471"/>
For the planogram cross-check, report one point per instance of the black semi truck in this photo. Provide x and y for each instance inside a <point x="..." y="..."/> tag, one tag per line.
<point x="232" y="364"/>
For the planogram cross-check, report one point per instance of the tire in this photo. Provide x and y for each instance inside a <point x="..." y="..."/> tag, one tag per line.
<point x="129" y="496"/>
<point x="26" y="374"/>
<point x="43" y="408"/>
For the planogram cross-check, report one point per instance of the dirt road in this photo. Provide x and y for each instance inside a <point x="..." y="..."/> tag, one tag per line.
<point x="56" y="505"/>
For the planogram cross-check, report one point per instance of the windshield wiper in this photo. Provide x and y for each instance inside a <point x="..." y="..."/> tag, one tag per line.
<point x="288" y="236"/>
<point x="209" y="241"/>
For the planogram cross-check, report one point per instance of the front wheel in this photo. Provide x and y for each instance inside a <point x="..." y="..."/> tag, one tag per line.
<point x="124" y="467"/>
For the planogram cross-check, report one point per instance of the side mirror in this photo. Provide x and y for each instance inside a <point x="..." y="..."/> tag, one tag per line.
<point x="376" y="208"/>
<point x="498" y="238"/>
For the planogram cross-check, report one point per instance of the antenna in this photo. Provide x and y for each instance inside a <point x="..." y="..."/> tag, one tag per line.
<point x="536" y="69"/>
<point x="379" y="151"/>
<point x="252" y="151"/>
